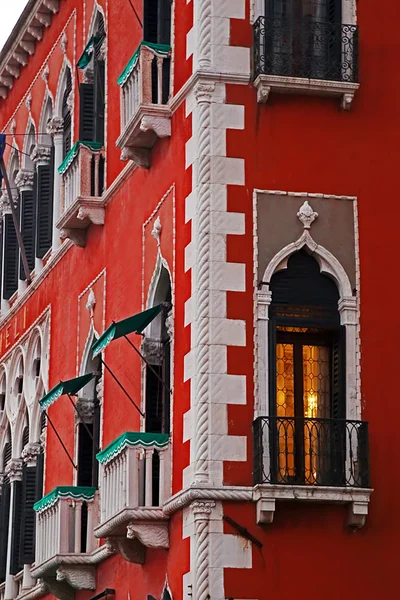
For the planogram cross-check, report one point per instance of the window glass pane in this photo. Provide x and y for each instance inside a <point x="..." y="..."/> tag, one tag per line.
<point x="316" y="382"/>
<point x="285" y="409"/>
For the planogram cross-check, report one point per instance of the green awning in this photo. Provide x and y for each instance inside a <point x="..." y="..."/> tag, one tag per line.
<point x="87" y="54"/>
<point x="64" y="491"/>
<point x="96" y="146"/>
<point x="135" y="324"/>
<point x="145" y="440"/>
<point x="72" y="387"/>
<point x="159" y="49"/>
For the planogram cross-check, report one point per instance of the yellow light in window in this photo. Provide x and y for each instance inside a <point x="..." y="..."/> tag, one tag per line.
<point x="312" y="406"/>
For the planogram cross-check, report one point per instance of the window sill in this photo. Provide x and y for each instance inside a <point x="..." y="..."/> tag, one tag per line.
<point x="75" y="221"/>
<point x="148" y="124"/>
<point x="297" y="85"/>
<point x="267" y="495"/>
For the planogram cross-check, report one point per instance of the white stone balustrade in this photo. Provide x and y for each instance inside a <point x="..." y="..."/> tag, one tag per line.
<point x="82" y="177"/>
<point x="138" y="87"/>
<point x="59" y="523"/>
<point x="127" y="477"/>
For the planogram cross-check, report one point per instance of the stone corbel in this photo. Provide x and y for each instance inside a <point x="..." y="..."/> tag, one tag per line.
<point x="263" y="92"/>
<point x="77" y="236"/>
<point x="151" y="535"/>
<point x="95" y="214"/>
<point x="78" y="577"/>
<point x="347" y="101"/>
<point x="160" y="125"/>
<point x="265" y="511"/>
<point x="131" y="550"/>
<point x="358" y="512"/>
<point x="140" y="156"/>
<point x="59" y="589"/>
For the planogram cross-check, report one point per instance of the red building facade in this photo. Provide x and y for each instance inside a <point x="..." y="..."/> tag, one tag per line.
<point x="207" y="161"/>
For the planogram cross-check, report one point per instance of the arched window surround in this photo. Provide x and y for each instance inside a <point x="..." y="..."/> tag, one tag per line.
<point x="349" y="11"/>
<point x="349" y="318"/>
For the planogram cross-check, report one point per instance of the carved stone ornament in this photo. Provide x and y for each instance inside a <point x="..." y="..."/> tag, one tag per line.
<point x="156" y="232"/>
<point x="70" y="101"/>
<point x="152" y="350"/>
<point x="140" y="156"/>
<point x="24" y="180"/>
<point x="88" y="75"/>
<point x="85" y="407"/>
<point x="64" y="42"/>
<point x="204" y="92"/>
<point x="160" y="125"/>
<point x="28" y="102"/>
<point x="45" y="74"/>
<point x="151" y="535"/>
<point x="202" y="509"/>
<point x="14" y="470"/>
<point x="306" y="215"/>
<point x="77" y="236"/>
<point x="41" y="155"/>
<point x="95" y="214"/>
<point x="91" y="302"/>
<point x="30" y="453"/>
<point x="55" y="126"/>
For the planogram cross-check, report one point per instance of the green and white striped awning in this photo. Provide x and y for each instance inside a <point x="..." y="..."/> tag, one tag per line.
<point x="135" y="324"/>
<point x="142" y="439"/>
<point x="159" y="50"/>
<point x="72" y="387"/>
<point x="95" y="146"/>
<point x="64" y="491"/>
<point x="87" y="54"/>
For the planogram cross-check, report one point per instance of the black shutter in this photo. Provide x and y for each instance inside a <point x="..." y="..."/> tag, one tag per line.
<point x="44" y="203"/>
<point x="4" y="519"/>
<point x="16" y="566"/>
<point x="150" y="21"/>
<point x="86" y="112"/>
<point x="339" y="374"/>
<point x="99" y="104"/>
<point x="164" y="22"/>
<point x="66" y="114"/>
<point x="39" y="476"/>
<point x="85" y="455"/>
<point x="27" y="537"/>
<point x="154" y="400"/>
<point x="28" y="228"/>
<point x="10" y="274"/>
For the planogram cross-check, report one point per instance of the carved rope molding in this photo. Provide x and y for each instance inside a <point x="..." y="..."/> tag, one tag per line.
<point x="202" y="513"/>
<point x="202" y="230"/>
<point x="204" y="34"/>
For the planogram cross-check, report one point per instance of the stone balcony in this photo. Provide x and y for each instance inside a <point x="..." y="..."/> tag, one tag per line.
<point x="135" y="482"/>
<point x="82" y="175"/>
<point x="145" y="115"/>
<point x="66" y="549"/>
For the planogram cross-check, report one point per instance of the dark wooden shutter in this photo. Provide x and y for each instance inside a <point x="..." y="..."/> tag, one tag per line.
<point x="86" y="112"/>
<point x="85" y="455"/>
<point x="27" y="541"/>
<point x="16" y="566"/>
<point x="10" y="275"/>
<point x="150" y="21"/>
<point x="154" y="401"/>
<point x="164" y="22"/>
<point x="66" y="114"/>
<point x="4" y="519"/>
<point x="39" y="476"/>
<point x="44" y="202"/>
<point x="99" y="103"/>
<point x="28" y="228"/>
<point x="339" y="374"/>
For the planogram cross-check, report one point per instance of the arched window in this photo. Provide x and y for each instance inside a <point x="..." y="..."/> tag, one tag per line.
<point x="10" y="251"/>
<point x="157" y="348"/>
<point x="5" y="506"/>
<point x="307" y="375"/>
<point x="66" y="113"/>
<point x="92" y="90"/>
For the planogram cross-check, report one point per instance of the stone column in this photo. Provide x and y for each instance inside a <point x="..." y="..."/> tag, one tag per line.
<point x="24" y="182"/>
<point x="14" y="474"/>
<point x="202" y="514"/>
<point x="41" y="156"/>
<point x="55" y="128"/>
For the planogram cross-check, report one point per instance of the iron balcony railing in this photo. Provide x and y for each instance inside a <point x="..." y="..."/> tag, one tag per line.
<point x="309" y="48"/>
<point x="315" y="452"/>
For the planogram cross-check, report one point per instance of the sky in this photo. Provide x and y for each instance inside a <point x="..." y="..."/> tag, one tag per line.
<point x="9" y="16"/>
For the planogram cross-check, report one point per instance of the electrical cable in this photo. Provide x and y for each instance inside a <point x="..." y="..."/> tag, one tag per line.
<point x="135" y="11"/>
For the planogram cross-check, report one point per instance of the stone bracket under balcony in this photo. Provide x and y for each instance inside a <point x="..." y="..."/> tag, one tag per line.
<point x="150" y="123"/>
<point x="265" y="84"/>
<point x="76" y="220"/>
<point x="357" y="498"/>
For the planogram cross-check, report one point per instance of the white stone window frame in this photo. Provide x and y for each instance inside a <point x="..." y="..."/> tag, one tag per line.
<point x="342" y="89"/>
<point x="266" y="494"/>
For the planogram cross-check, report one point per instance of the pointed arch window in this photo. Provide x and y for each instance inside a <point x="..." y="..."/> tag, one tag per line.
<point x="67" y="114"/>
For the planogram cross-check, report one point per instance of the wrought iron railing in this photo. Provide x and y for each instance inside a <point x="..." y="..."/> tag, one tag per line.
<point x="315" y="452"/>
<point x="308" y="48"/>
